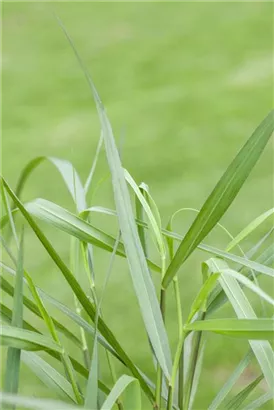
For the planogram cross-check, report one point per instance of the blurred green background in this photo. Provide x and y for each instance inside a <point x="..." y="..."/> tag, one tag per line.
<point x="184" y="84"/>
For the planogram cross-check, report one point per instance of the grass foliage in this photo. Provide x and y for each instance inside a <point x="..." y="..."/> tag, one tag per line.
<point x="74" y="375"/>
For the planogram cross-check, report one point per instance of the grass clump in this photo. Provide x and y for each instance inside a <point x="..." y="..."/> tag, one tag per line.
<point x="76" y="379"/>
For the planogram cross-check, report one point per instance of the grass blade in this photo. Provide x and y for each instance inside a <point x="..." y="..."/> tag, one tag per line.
<point x="98" y="238"/>
<point x="222" y="195"/>
<point x="62" y="219"/>
<point x="97" y="153"/>
<point x="78" y="291"/>
<point x="219" y="297"/>
<point x="48" y="375"/>
<point x="6" y="316"/>
<point x="258" y="403"/>
<point x="121" y="385"/>
<point x="31" y="403"/>
<point x="249" y="228"/>
<point x="231" y="382"/>
<point x="153" y="221"/>
<point x="9" y="289"/>
<point x="26" y="340"/>
<point x="236" y="402"/>
<point x="257" y="329"/>
<point x="143" y="284"/>
<point x="66" y="170"/>
<point x="11" y="380"/>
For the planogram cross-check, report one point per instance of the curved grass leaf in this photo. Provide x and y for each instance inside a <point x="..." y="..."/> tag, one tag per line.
<point x="48" y="375"/>
<point x="257" y="329"/>
<point x="26" y="340"/>
<point x="107" y="241"/>
<point x="249" y="228"/>
<point x="73" y="225"/>
<point x="68" y="173"/>
<point x="248" y="283"/>
<point x="153" y="221"/>
<point x="31" y="403"/>
<point x="78" y="291"/>
<point x="222" y="195"/>
<point x="133" y="402"/>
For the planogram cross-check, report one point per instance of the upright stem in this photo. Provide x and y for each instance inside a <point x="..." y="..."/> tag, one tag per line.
<point x="181" y="380"/>
<point x="179" y="353"/>
<point x="158" y="391"/>
<point x="193" y="362"/>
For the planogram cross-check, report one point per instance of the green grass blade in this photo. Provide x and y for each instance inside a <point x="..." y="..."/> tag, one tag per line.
<point x="223" y="195"/>
<point x="249" y="284"/>
<point x="218" y="400"/>
<point x="121" y="385"/>
<point x="236" y="402"/>
<point x="48" y="375"/>
<point x="218" y="296"/>
<point x="257" y="329"/>
<point x="66" y="170"/>
<point x="6" y="316"/>
<point x="142" y="281"/>
<point x="258" y="403"/>
<point x="9" y="215"/>
<point x="11" y="380"/>
<point x="26" y="340"/>
<point x="249" y="228"/>
<point x="50" y="325"/>
<point x="63" y="309"/>
<point x="262" y="349"/>
<point x="143" y="284"/>
<point x="86" y="232"/>
<point x="57" y="216"/>
<point x="201" y="298"/>
<point x="91" y="399"/>
<point x="153" y="222"/>
<point x="31" y="403"/>
<point x="9" y="289"/>
<point x="78" y="291"/>
<point x="66" y="221"/>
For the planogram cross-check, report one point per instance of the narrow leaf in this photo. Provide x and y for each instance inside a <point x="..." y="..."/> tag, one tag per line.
<point x="120" y="386"/>
<point x="258" y="329"/>
<point x="231" y="382"/>
<point x="236" y="402"/>
<point x="11" y="380"/>
<point x="222" y="195"/>
<point x="78" y="291"/>
<point x="30" y="403"/>
<point x="249" y="228"/>
<point x="26" y="340"/>
<point x="48" y="375"/>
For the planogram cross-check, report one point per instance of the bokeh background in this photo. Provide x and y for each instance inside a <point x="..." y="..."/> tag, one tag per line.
<point x="184" y="84"/>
